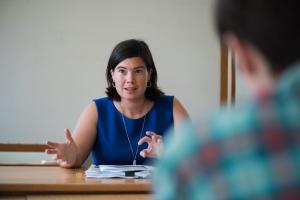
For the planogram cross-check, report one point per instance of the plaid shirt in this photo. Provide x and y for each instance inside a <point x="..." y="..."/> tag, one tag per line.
<point x="249" y="152"/>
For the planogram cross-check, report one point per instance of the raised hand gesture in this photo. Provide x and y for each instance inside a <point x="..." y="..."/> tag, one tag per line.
<point x="155" y="145"/>
<point x="64" y="153"/>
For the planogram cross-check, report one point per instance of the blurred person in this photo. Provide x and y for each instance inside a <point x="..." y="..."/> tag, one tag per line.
<point x="251" y="151"/>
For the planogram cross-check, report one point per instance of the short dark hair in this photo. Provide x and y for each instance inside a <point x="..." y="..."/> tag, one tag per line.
<point x="129" y="49"/>
<point x="272" y="26"/>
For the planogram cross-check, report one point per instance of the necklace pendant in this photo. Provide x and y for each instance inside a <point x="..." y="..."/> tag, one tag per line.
<point x="134" y="162"/>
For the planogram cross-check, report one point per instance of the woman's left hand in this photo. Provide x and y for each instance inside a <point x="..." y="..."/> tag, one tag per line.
<point x="155" y="145"/>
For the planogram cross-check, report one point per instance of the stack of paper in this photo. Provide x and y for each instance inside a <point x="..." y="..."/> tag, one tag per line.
<point x="119" y="171"/>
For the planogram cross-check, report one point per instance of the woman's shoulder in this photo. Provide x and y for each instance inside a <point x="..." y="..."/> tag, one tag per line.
<point x="104" y="105"/>
<point x="102" y="100"/>
<point x="165" y="98"/>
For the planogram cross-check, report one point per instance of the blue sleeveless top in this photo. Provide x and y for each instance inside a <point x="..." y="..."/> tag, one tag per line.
<point x="111" y="146"/>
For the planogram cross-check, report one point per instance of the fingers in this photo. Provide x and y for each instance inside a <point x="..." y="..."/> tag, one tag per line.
<point x="55" y="157"/>
<point x="52" y="144"/>
<point x="68" y="135"/>
<point x="55" y="162"/>
<point x="59" y="151"/>
<point x="65" y="164"/>
<point x="50" y="162"/>
<point x="51" y="151"/>
<point x="153" y="135"/>
<point x="51" y="147"/>
<point x="154" y="138"/>
<point x="145" y="153"/>
<point x="58" y="157"/>
<point x="144" y="139"/>
<point x="155" y="144"/>
<point x="159" y="140"/>
<point x="150" y="133"/>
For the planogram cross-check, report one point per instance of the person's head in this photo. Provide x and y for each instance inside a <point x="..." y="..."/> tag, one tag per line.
<point x="131" y="72"/>
<point x="261" y="33"/>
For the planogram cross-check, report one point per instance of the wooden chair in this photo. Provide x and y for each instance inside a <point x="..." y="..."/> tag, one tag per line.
<point x="21" y="148"/>
<point x="227" y="77"/>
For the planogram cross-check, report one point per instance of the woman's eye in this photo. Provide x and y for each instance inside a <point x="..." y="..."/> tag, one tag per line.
<point x="139" y="71"/>
<point x="122" y="71"/>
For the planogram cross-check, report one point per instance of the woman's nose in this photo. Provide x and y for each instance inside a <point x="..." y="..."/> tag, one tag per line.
<point x="130" y="77"/>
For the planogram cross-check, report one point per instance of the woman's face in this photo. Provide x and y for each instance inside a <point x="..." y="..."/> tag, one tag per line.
<point x="131" y="77"/>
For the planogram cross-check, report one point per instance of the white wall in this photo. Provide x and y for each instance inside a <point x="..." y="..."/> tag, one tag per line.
<point x="53" y="56"/>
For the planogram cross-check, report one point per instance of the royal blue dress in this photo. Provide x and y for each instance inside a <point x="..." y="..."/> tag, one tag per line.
<point x="111" y="146"/>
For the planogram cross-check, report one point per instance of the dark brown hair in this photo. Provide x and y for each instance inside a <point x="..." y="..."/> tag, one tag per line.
<point x="128" y="49"/>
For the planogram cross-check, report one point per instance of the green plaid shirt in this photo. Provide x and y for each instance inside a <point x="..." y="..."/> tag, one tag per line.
<point x="249" y="152"/>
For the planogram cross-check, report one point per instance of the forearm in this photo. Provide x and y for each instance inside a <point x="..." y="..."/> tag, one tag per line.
<point x="82" y="153"/>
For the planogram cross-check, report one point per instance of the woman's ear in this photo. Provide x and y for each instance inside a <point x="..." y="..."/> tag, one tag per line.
<point x="112" y="74"/>
<point x="150" y="74"/>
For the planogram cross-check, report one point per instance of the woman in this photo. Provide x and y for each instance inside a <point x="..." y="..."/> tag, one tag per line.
<point x="127" y="126"/>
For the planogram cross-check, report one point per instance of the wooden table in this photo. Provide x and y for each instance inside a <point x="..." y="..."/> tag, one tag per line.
<point x="44" y="182"/>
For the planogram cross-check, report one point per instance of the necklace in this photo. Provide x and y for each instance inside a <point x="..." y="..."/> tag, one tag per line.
<point x="137" y="149"/>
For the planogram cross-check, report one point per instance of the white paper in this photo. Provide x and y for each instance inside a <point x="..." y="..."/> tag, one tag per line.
<point x="119" y="171"/>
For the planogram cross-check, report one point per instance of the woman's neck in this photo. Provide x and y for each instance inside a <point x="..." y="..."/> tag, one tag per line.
<point x="134" y="109"/>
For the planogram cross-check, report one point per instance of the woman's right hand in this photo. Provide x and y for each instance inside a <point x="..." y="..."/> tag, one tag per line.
<point x="64" y="153"/>
<point x="155" y="145"/>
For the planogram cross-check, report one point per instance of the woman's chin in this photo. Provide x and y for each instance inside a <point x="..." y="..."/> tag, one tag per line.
<point x="133" y="96"/>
